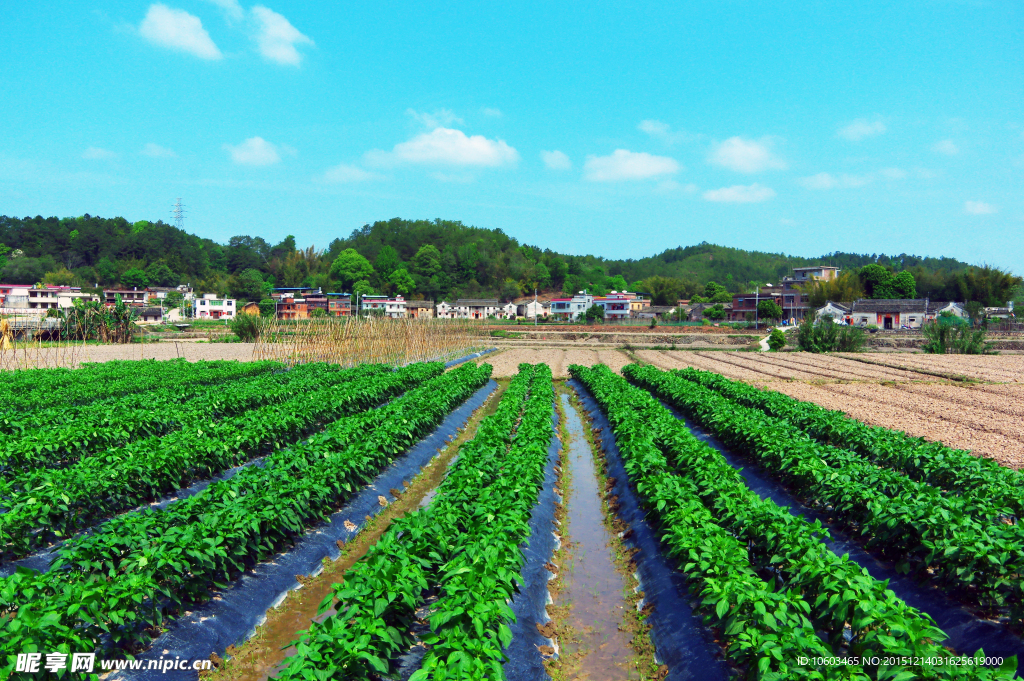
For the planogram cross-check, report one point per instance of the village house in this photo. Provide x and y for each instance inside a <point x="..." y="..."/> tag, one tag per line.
<point x="339" y="304"/>
<point x="571" y="309"/>
<point x="420" y="309"/>
<point x="476" y="308"/>
<point x="388" y="307"/>
<point x="530" y="309"/>
<point x="616" y="306"/>
<point x="212" y="306"/>
<point x="837" y="311"/>
<point x="128" y="297"/>
<point x="895" y="313"/>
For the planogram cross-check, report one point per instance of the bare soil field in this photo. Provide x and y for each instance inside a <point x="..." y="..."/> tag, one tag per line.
<point x="892" y="391"/>
<point x="507" y="361"/>
<point x="191" y="351"/>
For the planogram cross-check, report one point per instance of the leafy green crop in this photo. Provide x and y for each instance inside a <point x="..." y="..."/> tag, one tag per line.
<point x="842" y="598"/>
<point x="49" y="503"/>
<point x="464" y="547"/>
<point x="109" y="587"/>
<point x="955" y="540"/>
<point x="930" y="462"/>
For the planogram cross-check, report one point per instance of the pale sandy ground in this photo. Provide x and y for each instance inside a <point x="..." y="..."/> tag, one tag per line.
<point x="982" y="417"/>
<point x="506" y="363"/>
<point x="193" y="352"/>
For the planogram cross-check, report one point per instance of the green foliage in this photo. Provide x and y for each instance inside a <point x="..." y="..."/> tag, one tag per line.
<point x="777" y="339"/>
<point x="159" y="274"/>
<point x="952" y="335"/>
<point x="246" y="327"/>
<point x="879" y="282"/>
<point x="401" y="281"/>
<point x="594" y="313"/>
<point x="714" y="312"/>
<point x="351" y="267"/>
<point x="827" y="336"/>
<point x="387" y="262"/>
<point x="134" y="278"/>
<point x="427" y="261"/>
<point x="246" y="285"/>
<point x="268" y="307"/>
<point x="61" y="277"/>
<point x="663" y="290"/>
<point x="769" y="309"/>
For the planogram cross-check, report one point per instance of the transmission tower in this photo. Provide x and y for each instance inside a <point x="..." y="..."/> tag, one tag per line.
<point x="178" y="212"/>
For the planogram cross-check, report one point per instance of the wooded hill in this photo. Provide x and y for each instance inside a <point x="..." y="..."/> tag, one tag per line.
<point x="422" y="258"/>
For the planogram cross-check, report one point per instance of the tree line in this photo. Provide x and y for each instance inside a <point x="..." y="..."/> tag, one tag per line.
<point x="445" y="259"/>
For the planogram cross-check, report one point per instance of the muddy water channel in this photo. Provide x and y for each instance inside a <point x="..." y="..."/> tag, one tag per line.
<point x="593" y="588"/>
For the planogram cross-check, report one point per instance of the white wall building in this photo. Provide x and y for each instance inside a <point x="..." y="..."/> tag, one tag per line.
<point x="573" y="308"/>
<point x="210" y="306"/>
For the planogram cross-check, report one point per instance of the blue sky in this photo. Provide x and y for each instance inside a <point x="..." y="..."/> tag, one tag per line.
<point x="612" y="128"/>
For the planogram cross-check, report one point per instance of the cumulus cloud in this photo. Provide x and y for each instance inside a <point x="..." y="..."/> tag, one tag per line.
<point x="739" y="193"/>
<point x="746" y="156"/>
<point x="254" y="151"/>
<point x="947" y="147"/>
<point x="447" y="146"/>
<point x="156" y="151"/>
<point x="343" y="173"/>
<point x="492" y="112"/>
<point x="276" y="38"/>
<point x="97" y="154"/>
<point x="441" y="118"/>
<point x="232" y="10"/>
<point x="663" y="131"/>
<point x="624" y="165"/>
<point x="556" y="160"/>
<point x="979" y="208"/>
<point x="178" y="30"/>
<point x="861" y="128"/>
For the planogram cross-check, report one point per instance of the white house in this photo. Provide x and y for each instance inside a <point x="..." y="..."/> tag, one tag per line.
<point x="615" y="305"/>
<point x="445" y="311"/>
<point x="571" y="308"/>
<point x="211" y="306"/>
<point x="532" y="309"/>
<point x="477" y="308"/>
<point x="837" y="311"/>
<point x="509" y="310"/>
<point x="390" y="307"/>
<point x="899" y="313"/>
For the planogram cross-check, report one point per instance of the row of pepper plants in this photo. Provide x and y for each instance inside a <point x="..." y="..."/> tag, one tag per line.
<point x="24" y="381"/>
<point x="48" y="504"/>
<point x="128" y="380"/>
<point x="462" y="550"/>
<point x="162" y="411"/>
<point x="946" y="538"/>
<point x="955" y="470"/>
<point x="187" y="383"/>
<point x="766" y="581"/>
<point x="109" y="589"/>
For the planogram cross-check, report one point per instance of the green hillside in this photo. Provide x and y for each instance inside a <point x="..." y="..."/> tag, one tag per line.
<point x="429" y="258"/>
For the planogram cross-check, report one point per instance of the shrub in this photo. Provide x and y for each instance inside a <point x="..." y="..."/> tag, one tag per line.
<point x="246" y="327"/>
<point x="777" y="339"/>
<point x="958" y="339"/>
<point x="827" y="336"/>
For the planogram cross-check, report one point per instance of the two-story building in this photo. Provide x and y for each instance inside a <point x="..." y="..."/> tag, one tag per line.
<point x="339" y="304"/>
<point x="420" y="309"/>
<point x="292" y="308"/>
<point x="616" y="306"/>
<point x="746" y="303"/>
<point x="477" y="308"/>
<point x="389" y="307"/>
<point x="211" y="306"/>
<point x="531" y="309"/>
<point x="571" y="309"/>
<point x="133" y="297"/>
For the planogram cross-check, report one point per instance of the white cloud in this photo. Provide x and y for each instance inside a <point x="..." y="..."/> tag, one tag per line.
<point x="492" y="112"/>
<point x="156" y="151"/>
<point x="947" y="147"/>
<point x="739" y="193"/>
<point x="556" y="160"/>
<point x="845" y="181"/>
<point x="255" y="151"/>
<point x="861" y="128"/>
<point x="178" y="30"/>
<point x="979" y="208"/>
<point x="446" y="146"/>
<point x="343" y="173"/>
<point x="277" y="38"/>
<point x="232" y="10"/>
<point x="441" y="118"/>
<point x="97" y="154"/>
<point x="663" y="131"/>
<point x="746" y="156"/>
<point x="628" y="165"/>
